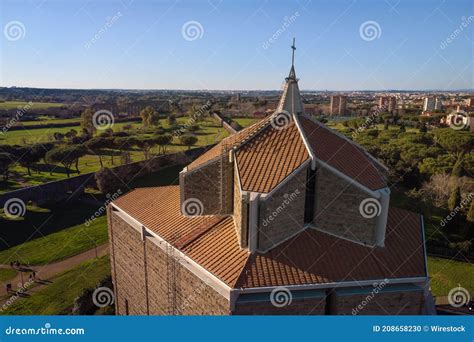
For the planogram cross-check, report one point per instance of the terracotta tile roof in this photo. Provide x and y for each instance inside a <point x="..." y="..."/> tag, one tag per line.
<point x="308" y="258"/>
<point x="270" y="157"/>
<point x="341" y="154"/>
<point x="209" y="240"/>
<point x="228" y="143"/>
<point x="316" y="257"/>
<point x="218" y="251"/>
<point x="158" y="209"/>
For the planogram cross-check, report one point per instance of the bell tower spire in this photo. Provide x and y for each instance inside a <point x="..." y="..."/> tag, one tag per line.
<point x="290" y="100"/>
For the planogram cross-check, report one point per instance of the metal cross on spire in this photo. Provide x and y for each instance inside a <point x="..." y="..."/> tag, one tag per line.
<point x="293" y="55"/>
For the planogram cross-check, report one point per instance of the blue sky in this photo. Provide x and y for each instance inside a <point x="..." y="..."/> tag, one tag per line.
<point x="144" y="46"/>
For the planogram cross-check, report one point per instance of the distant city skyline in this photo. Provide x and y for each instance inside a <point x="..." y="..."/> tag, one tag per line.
<point x="221" y="45"/>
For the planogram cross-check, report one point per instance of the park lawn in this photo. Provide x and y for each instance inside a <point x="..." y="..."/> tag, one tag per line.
<point x="36" y="105"/>
<point x="42" y="120"/>
<point x="57" y="298"/>
<point x="209" y="133"/>
<point x="7" y="274"/>
<point x="59" y="245"/>
<point x="245" y="122"/>
<point x="446" y="274"/>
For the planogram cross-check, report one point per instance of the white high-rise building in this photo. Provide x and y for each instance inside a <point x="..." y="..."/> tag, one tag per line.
<point x="429" y="104"/>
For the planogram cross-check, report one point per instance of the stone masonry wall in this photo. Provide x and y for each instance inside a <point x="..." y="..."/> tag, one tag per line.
<point x="282" y="213"/>
<point x="306" y="306"/>
<point x="143" y="277"/>
<point x="212" y="184"/>
<point x="337" y="208"/>
<point x="384" y="303"/>
<point x="240" y="214"/>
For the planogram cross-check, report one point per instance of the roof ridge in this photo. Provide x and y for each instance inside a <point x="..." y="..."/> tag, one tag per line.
<point x="360" y="148"/>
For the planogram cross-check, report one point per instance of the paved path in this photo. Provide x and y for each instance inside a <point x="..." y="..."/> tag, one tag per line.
<point x="46" y="272"/>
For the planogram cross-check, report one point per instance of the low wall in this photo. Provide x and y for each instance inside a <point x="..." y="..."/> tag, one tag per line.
<point x="68" y="189"/>
<point x="224" y="124"/>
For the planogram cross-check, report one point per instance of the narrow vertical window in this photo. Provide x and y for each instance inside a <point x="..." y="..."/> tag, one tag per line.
<point x="310" y="196"/>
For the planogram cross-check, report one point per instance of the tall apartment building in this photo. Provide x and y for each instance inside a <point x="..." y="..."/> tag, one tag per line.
<point x="338" y="105"/>
<point x="388" y="103"/>
<point x="432" y="103"/>
<point x="284" y="217"/>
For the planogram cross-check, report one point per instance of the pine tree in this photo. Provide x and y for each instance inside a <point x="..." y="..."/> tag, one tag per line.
<point x="455" y="199"/>
<point x="470" y="213"/>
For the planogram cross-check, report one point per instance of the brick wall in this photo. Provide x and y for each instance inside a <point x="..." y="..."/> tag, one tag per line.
<point x="390" y="303"/>
<point x="282" y="213"/>
<point x="141" y="270"/>
<point x="212" y="184"/>
<point x="337" y="208"/>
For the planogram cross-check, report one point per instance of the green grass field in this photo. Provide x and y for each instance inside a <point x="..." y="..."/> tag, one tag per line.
<point x="60" y="245"/>
<point x="36" y="105"/>
<point x="446" y="274"/>
<point x="57" y="298"/>
<point x="7" y="273"/>
<point x="245" y="122"/>
<point x="209" y="133"/>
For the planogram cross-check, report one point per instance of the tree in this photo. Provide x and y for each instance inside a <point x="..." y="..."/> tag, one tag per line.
<point x="172" y="120"/>
<point x="87" y="123"/>
<point x="66" y="155"/>
<point x="146" y="144"/>
<point x="385" y="126"/>
<point x="188" y="140"/>
<point x="96" y="145"/>
<point x="26" y="157"/>
<point x="107" y="181"/>
<point x="6" y="162"/>
<point x="154" y="119"/>
<point x="163" y="141"/>
<point x="470" y="213"/>
<point x="454" y="200"/>
<point x="146" y="113"/>
<point x="124" y="144"/>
